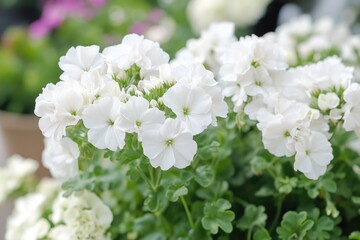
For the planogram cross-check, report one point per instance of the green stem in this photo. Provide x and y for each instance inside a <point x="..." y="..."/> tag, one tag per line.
<point x="272" y="173"/>
<point x="158" y="173"/>
<point x="277" y="214"/>
<point x="164" y="223"/>
<point x="241" y="202"/>
<point x="144" y="177"/>
<point x="249" y="232"/>
<point x="151" y="172"/>
<point x="188" y="213"/>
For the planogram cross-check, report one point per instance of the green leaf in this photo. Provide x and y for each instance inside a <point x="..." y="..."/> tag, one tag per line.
<point x="199" y="233"/>
<point x="253" y="216"/>
<point x="355" y="235"/>
<point x="259" y="165"/>
<point x="204" y="175"/>
<point x="285" y="184"/>
<point x="356" y="200"/>
<point x="294" y="226"/>
<point x="261" y="234"/>
<point x="175" y="191"/>
<point x="323" y="226"/>
<point x="218" y="188"/>
<point x="327" y="183"/>
<point x="145" y="224"/>
<point x="266" y="191"/>
<point x="155" y="235"/>
<point x="156" y="201"/>
<point x="217" y="215"/>
<point x="78" y="183"/>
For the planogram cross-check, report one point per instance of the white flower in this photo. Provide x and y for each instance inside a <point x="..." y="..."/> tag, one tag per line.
<point x="37" y="231"/>
<point x="316" y="43"/>
<point x="352" y="107"/>
<point x="313" y="154"/>
<point x="281" y="123"/>
<point x="328" y="74"/>
<point x="138" y="117"/>
<point x="194" y="75"/>
<point x="278" y="136"/>
<point x="170" y="145"/>
<point x="95" y="86"/>
<point x="255" y="53"/>
<point x="62" y="232"/>
<point x="191" y="105"/>
<point x="80" y="60"/>
<point x="134" y="49"/>
<point x="152" y="82"/>
<point x="202" y="13"/>
<point x="14" y="174"/>
<point x="209" y="47"/>
<point x="237" y="93"/>
<point x="246" y="68"/>
<point x="83" y="214"/>
<point x="328" y="101"/>
<point x="102" y="120"/>
<point x="61" y="158"/>
<point x="26" y="222"/>
<point x="59" y="106"/>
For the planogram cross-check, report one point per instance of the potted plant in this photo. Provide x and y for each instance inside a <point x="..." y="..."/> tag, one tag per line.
<point x="147" y="149"/>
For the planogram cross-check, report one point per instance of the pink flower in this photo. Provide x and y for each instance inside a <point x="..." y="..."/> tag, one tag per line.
<point x="54" y="12"/>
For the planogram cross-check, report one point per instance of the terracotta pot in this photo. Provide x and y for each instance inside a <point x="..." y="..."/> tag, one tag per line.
<point x="20" y="134"/>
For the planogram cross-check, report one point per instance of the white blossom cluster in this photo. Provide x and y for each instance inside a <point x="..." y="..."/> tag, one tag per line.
<point x="202" y="13"/>
<point x="209" y="47"/>
<point x="46" y="214"/>
<point x="15" y="175"/>
<point x="295" y="108"/>
<point x="80" y="216"/>
<point x="129" y="88"/>
<point x="307" y="41"/>
<point x="61" y="158"/>
<point x="27" y="221"/>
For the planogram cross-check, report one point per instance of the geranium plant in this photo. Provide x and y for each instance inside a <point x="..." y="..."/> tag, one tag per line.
<point x="244" y="148"/>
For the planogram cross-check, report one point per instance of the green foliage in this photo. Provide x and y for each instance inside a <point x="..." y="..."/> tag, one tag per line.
<point x="294" y="226"/>
<point x="253" y="216"/>
<point x="323" y="226"/>
<point x="262" y="234"/>
<point x="355" y="235"/>
<point x="26" y="66"/>
<point x="204" y="175"/>
<point x="174" y="192"/>
<point x="217" y="215"/>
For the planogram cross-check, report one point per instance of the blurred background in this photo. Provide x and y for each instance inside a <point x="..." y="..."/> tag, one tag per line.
<point x="34" y="34"/>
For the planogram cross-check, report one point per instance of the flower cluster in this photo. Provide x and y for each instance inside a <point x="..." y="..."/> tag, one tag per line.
<point x="306" y="40"/>
<point x="80" y="216"/>
<point x="120" y="116"/>
<point x="209" y="47"/>
<point x="15" y="175"/>
<point x="61" y="158"/>
<point x="46" y="214"/>
<point x="129" y="89"/>
<point x="26" y="220"/>
<point x="297" y="108"/>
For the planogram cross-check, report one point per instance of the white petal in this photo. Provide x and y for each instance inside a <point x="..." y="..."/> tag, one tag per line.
<point x="153" y="144"/>
<point x="166" y="159"/>
<point x="96" y="137"/>
<point x="302" y="163"/>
